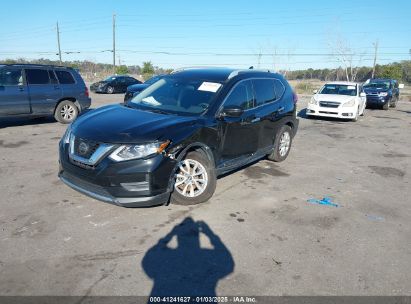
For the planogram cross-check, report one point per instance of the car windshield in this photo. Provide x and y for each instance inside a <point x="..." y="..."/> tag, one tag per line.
<point x="384" y="85"/>
<point x="177" y="96"/>
<point x="339" y="89"/>
<point x="111" y="78"/>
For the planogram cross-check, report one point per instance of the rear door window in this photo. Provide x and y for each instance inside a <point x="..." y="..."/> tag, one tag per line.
<point x="53" y="78"/>
<point x="65" y="77"/>
<point x="11" y="77"/>
<point x="37" y="76"/>
<point x="241" y="95"/>
<point x="264" y="91"/>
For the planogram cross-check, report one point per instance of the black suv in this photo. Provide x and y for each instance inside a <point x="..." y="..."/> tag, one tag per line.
<point x="42" y="90"/>
<point x="178" y="135"/>
<point x="383" y="93"/>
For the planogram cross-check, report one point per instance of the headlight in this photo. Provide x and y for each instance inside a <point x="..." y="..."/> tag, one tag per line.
<point x="383" y="94"/>
<point x="313" y="101"/>
<point x="349" y="103"/>
<point x="128" y="152"/>
<point x="66" y="136"/>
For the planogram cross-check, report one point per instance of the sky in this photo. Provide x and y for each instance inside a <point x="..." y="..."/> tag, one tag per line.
<point x="292" y="34"/>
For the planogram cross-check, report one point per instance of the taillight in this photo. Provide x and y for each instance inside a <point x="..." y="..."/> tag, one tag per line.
<point x="295" y="97"/>
<point x="86" y="92"/>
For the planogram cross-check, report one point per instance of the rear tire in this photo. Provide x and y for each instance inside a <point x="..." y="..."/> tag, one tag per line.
<point x="195" y="180"/>
<point x="66" y="112"/>
<point x="282" y="144"/>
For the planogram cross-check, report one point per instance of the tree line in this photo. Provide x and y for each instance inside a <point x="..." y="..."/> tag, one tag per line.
<point x="397" y="70"/>
<point x="91" y="70"/>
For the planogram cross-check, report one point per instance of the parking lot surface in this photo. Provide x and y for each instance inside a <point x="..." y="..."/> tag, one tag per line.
<point x="258" y="235"/>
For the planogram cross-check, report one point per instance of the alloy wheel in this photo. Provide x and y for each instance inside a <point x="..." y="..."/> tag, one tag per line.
<point x="67" y="112"/>
<point x="285" y="141"/>
<point x="191" y="178"/>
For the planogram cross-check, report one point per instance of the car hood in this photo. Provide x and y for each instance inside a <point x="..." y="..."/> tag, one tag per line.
<point x="137" y="87"/>
<point x="122" y="125"/>
<point x="334" y="98"/>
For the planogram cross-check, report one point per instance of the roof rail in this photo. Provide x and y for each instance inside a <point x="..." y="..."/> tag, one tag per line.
<point x="237" y="72"/>
<point x="194" y="68"/>
<point x="35" y="65"/>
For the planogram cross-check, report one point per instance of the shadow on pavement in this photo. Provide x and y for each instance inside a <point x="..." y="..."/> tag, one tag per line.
<point x="187" y="269"/>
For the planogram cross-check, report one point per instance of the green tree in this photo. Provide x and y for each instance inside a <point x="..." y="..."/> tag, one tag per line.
<point x="147" y="70"/>
<point x="392" y="71"/>
<point x="121" y="70"/>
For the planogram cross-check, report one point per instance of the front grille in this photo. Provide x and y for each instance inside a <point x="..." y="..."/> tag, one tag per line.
<point x="329" y="104"/>
<point x="85" y="148"/>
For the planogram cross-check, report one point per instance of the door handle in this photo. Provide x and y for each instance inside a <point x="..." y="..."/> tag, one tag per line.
<point x="21" y="89"/>
<point x="56" y="87"/>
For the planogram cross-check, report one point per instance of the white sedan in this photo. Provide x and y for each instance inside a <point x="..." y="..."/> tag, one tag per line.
<point x="345" y="100"/>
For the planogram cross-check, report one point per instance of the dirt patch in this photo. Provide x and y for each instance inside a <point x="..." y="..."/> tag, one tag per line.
<point x="258" y="172"/>
<point x="13" y="145"/>
<point x="387" y="171"/>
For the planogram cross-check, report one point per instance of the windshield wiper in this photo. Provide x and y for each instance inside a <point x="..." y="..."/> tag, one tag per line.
<point x="158" y="111"/>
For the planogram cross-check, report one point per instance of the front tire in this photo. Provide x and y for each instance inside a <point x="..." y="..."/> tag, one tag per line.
<point x="110" y="90"/>
<point x="282" y="144"/>
<point x="386" y="106"/>
<point x="195" y="180"/>
<point x="66" y="112"/>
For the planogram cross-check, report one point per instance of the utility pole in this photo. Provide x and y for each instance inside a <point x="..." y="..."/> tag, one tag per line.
<point x="114" y="43"/>
<point x="375" y="58"/>
<point x="58" y="41"/>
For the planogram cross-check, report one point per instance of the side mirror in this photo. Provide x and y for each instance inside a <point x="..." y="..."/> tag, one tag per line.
<point x="401" y="86"/>
<point x="315" y="91"/>
<point x="362" y="94"/>
<point x="232" y="111"/>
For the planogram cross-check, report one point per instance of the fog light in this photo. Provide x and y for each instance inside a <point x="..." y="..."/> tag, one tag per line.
<point x="137" y="186"/>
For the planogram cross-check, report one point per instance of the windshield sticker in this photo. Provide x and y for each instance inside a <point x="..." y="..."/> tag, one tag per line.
<point x="351" y="88"/>
<point x="209" y="87"/>
<point x="151" y="100"/>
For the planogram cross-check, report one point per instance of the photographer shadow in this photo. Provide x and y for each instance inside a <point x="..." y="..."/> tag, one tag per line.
<point x="188" y="269"/>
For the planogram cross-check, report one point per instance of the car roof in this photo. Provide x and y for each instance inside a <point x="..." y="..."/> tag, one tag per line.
<point x="350" y="83"/>
<point x="216" y="73"/>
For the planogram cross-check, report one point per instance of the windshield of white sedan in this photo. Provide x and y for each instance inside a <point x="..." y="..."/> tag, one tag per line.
<point x="172" y="95"/>
<point x="339" y="89"/>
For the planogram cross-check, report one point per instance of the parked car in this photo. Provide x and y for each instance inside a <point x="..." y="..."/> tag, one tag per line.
<point x="42" y="90"/>
<point x="383" y="93"/>
<point x="113" y="84"/>
<point x="178" y="135"/>
<point x="134" y="89"/>
<point x="345" y="100"/>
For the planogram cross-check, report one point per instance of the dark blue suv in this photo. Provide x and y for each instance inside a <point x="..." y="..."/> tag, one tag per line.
<point x="383" y="93"/>
<point x="42" y="90"/>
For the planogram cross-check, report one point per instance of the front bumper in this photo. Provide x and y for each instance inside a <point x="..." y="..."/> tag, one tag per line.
<point x="377" y="100"/>
<point x="339" y="112"/>
<point x="135" y="183"/>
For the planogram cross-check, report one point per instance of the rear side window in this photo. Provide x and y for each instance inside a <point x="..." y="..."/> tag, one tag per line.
<point x="11" y="77"/>
<point x="279" y="89"/>
<point x="241" y="95"/>
<point x="53" y="78"/>
<point x="36" y="76"/>
<point x="65" y="77"/>
<point x="264" y="91"/>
